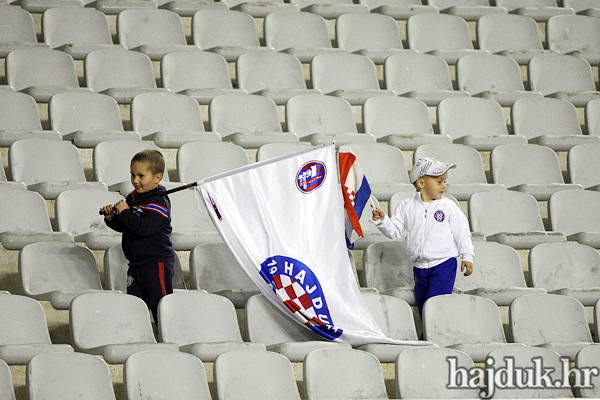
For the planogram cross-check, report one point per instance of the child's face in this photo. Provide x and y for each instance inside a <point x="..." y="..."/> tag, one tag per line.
<point x="142" y="178"/>
<point x="433" y="187"/>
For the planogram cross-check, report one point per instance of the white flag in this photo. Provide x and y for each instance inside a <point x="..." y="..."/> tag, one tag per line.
<point x="283" y="219"/>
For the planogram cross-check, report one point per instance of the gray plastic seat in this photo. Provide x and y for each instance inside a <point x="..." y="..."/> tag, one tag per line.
<point x="7" y="392"/>
<point x="575" y="214"/>
<point x="577" y="35"/>
<point x="539" y="10"/>
<point x="371" y="233"/>
<point x="199" y="160"/>
<point x="40" y="6"/>
<point x="584" y="7"/>
<point x="261" y="8"/>
<point x="187" y="8"/>
<point x="398" y="9"/>
<point x="588" y="358"/>
<point x="18" y="30"/>
<point x="592" y="117"/>
<point x="114" y="7"/>
<point x="330" y="9"/>
<point x="467" y="9"/>
<point x="271" y="150"/>
<point x="4" y="183"/>
<point x="583" y="165"/>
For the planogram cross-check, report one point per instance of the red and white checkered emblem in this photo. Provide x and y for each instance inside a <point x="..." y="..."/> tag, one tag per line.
<point x="296" y="299"/>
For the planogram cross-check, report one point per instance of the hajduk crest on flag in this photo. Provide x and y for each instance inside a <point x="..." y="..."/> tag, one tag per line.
<point x="284" y="221"/>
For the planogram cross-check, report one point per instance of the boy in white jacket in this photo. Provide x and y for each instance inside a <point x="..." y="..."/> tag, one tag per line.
<point x="437" y="231"/>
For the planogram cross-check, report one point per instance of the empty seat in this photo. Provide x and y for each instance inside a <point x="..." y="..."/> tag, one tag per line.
<point x="469" y="175"/>
<point x="48" y="166"/>
<point x="165" y="375"/>
<point x="492" y="77"/>
<point x="24" y="332"/>
<point x="40" y="6"/>
<point x="350" y="76"/>
<point x="422" y="76"/>
<point x="539" y="10"/>
<point x="199" y="160"/>
<point x="57" y="272"/>
<point x="399" y="9"/>
<point x="330" y="8"/>
<point x="321" y="119"/>
<point x="278" y="76"/>
<point x="76" y="30"/>
<point x="475" y="122"/>
<point x="41" y="72"/>
<point x="201" y="324"/>
<point x="113" y="325"/>
<point x="17" y="30"/>
<point x="584" y="7"/>
<point x="87" y="118"/>
<point x="247" y="120"/>
<point x="447" y="36"/>
<point x="575" y="213"/>
<point x="511" y="218"/>
<point x="371" y="233"/>
<point x="261" y="8"/>
<point x="551" y="321"/>
<point x="564" y="77"/>
<point x="4" y="183"/>
<point x="588" y="358"/>
<point x="122" y="74"/>
<point x="529" y="168"/>
<point x="549" y="122"/>
<point x="467" y="9"/>
<point x="343" y="374"/>
<point x="187" y="8"/>
<point x="169" y="119"/>
<point x="271" y="150"/>
<point x="114" y="7"/>
<point x="464" y="322"/>
<point x="577" y="35"/>
<point x="592" y="117"/>
<point x="583" y="165"/>
<point x="7" y="392"/>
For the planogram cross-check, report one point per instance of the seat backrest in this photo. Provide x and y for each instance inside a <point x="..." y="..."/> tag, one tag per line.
<point x="580" y="5"/>
<point x="18" y="111"/>
<point x="551" y="73"/>
<point x="17" y="26"/>
<point x="406" y="72"/>
<point x="303" y="30"/>
<point x="381" y="163"/>
<point x="512" y="5"/>
<point x="536" y="319"/>
<point x="46" y="381"/>
<point x="66" y="266"/>
<point x="342" y="71"/>
<point x="387" y="265"/>
<point x="504" y="211"/>
<point x="393" y="315"/>
<point x="199" y="160"/>
<point x="75" y="25"/>
<point x="462" y="319"/>
<point x="99" y="319"/>
<point x="308" y="114"/>
<point x="84" y="111"/>
<point x="568" y="33"/>
<point x="516" y="164"/>
<point x="196" y="316"/>
<point x="188" y="215"/>
<point x="499" y="32"/>
<point x="254" y="375"/>
<point x="533" y="117"/>
<point x="387" y="115"/>
<point x="271" y="150"/>
<point x="77" y="210"/>
<point x="583" y="164"/>
<point x="358" y="31"/>
<point x="117" y="68"/>
<point x="433" y="31"/>
<point x="588" y="358"/>
<point x="462" y="116"/>
<point x="592" y="117"/>
<point x="469" y="165"/>
<point x="7" y="391"/>
<point x="259" y="70"/>
<point x="182" y="70"/>
<point x="477" y="73"/>
<point x="43" y="160"/>
<point x="23" y="210"/>
<point x="574" y="211"/>
<point x="343" y="374"/>
<point x="23" y="321"/>
<point x="165" y="112"/>
<point x="233" y="113"/>
<point x="213" y="28"/>
<point x="149" y="26"/>
<point x="40" y="66"/>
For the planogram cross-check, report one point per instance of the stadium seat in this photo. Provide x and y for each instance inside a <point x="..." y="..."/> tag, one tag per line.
<point x="122" y="74"/>
<point x="114" y="7"/>
<point x="199" y="74"/>
<point x="79" y="376"/>
<point x="469" y="175"/>
<point x="539" y="10"/>
<point x="343" y="374"/>
<point x="41" y="72"/>
<point x="577" y="35"/>
<point x="464" y="322"/>
<point x="41" y="6"/>
<point x="77" y="30"/>
<point x="24" y="332"/>
<point x="467" y="9"/>
<point x="398" y="197"/>
<point x="592" y="117"/>
<point x="267" y="324"/>
<point x="350" y="76"/>
<point x="7" y="391"/>
<point x="87" y="118"/>
<point x="187" y="8"/>
<point x="371" y="233"/>
<point x="227" y="280"/>
<point x="550" y="321"/>
<point x="247" y="120"/>
<point x="564" y="77"/>
<point x="443" y="35"/>
<point x="17" y="30"/>
<point x="549" y="122"/>
<point x="498" y="274"/>
<point x="422" y="76"/>
<point x="169" y="119"/>
<point x="514" y="36"/>
<point x="303" y="34"/>
<point x="510" y="217"/>
<point x="399" y="9"/>
<point x="322" y="119"/>
<point x="196" y="161"/>
<point x="113" y="325"/>
<point x="57" y="272"/>
<point x="48" y="167"/>
<point x="4" y="183"/>
<point x="423" y="373"/>
<point x="583" y="165"/>
<point x="475" y="122"/>
<point x="492" y="77"/>
<point x="254" y="375"/>
<point x="584" y="7"/>
<point x="201" y="324"/>
<point x="271" y="150"/>
<point x="151" y="31"/>
<point x="261" y="8"/>
<point x="576" y="214"/>
<point x="588" y="358"/>
<point x="330" y="9"/>
<point x="276" y="75"/>
<point x="20" y="119"/>
<point x="529" y="168"/>
<point x="165" y="375"/>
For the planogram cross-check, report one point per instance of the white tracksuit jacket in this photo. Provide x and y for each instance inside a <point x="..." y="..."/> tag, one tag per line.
<point x="436" y="231"/>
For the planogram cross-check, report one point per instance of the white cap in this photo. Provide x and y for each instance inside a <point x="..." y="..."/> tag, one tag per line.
<point x="429" y="166"/>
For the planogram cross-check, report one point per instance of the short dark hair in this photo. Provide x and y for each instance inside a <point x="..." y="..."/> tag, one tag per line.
<point x="154" y="158"/>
